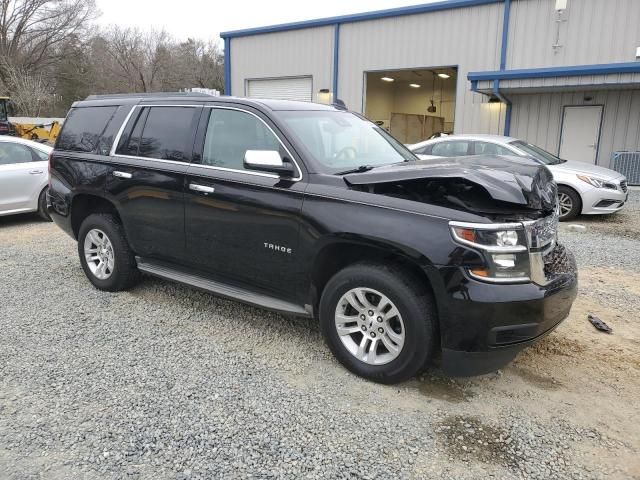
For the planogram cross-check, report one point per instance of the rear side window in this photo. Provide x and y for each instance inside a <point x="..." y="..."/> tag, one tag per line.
<point x="83" y="127"/>
<point x="450" y="149"/>
<point x="164" y="133"/>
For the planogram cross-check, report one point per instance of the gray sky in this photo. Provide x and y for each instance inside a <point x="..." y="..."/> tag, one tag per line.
<point x="206" y="19"/>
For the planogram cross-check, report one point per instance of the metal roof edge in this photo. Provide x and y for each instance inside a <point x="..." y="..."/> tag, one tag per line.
<point x="549" y="72"/>
<point x="359" y="17"/>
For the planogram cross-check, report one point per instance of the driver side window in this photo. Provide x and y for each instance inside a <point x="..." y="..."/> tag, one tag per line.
<point x="457" y="148"/>
<point x="230" y="133"/>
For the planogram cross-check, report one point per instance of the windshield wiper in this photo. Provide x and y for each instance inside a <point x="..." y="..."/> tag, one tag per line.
<point x="360" y="169"/>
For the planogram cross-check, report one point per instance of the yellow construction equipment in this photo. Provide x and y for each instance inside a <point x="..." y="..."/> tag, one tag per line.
<point x="47" y="132"/>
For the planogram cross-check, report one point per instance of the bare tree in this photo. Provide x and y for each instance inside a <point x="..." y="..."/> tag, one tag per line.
<point x="30" y="94"/>
<point x="32" y="30"/>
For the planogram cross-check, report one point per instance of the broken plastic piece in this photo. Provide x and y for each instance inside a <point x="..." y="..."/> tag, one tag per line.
<point x="599" y="324"/>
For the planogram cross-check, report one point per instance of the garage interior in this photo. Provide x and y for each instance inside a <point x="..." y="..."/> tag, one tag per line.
<point x="412" y="104"/>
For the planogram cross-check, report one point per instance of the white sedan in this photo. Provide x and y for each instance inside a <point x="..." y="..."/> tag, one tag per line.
<point x="24" y="176"/>
<point x="582" y="188"/>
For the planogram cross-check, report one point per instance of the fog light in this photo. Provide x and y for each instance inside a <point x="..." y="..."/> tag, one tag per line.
<point x="504" y="260"/>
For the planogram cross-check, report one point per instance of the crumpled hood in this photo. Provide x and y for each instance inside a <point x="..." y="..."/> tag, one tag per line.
<point x="506" y="179"/>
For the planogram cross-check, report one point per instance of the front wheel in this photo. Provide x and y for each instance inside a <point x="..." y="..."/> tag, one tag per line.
<point x="105" y="255"/>
<point x="379" y="321"/>
<point x="569" y="203"/>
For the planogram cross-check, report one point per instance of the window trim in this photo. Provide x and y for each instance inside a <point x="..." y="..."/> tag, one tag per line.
<point x="297" y="178"/>
<point x="116" y="140"/>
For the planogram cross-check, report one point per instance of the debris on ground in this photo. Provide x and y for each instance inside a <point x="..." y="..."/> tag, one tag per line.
<point x="599" y="324"/>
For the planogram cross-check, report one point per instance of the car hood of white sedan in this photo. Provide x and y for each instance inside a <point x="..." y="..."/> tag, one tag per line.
<point x="572" y="166"/>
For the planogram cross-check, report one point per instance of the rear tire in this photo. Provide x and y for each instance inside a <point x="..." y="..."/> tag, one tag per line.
<point x="42" y="205"/>
<point x="413" y="329"/>
<point x="105" y="255"/>
<point x="570" y="203"/>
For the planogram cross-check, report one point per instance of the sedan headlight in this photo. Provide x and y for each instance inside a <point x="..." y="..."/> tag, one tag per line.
<point x="504" y="247"/>
<point x="597" y="182"/>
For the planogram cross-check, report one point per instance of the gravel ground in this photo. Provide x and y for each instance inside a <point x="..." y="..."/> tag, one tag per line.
<point x="165" y="382"/>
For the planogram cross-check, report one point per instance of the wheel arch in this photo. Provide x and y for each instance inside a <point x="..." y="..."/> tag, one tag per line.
<point x="337" y="253"/>
<point x="85" y="204"/>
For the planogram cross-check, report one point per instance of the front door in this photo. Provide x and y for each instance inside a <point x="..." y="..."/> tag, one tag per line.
<point x="581" y="133"/>
<point x="21" y="177"/>
<point x="242" y="225"/>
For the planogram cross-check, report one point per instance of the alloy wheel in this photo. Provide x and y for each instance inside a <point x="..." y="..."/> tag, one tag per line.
<point x="99" y="254"/>
<point x="369" y="326"/>
<point x="565" y="204"/>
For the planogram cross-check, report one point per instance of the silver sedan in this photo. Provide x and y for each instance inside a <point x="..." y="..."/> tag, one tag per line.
<point x="582" y="188"/>
<point x="24" y="176"/>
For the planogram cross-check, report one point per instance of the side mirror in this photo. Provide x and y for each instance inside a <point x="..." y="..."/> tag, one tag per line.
<point x="268" y="161"/>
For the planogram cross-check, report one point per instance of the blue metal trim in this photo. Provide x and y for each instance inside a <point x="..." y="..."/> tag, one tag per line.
<point x="575" y="70"/>
<point x="227" y="66"/>
<point x="336" y="60"/>
<point x="505" y="34"/>
<point x="360" y="17"/>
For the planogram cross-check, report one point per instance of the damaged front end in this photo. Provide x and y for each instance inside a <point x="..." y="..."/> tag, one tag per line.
<point x="518" y="197"/>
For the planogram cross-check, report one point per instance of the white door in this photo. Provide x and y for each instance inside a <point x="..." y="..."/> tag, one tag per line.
<point x="20" y="178"/>
<point x="580" y="133"/>
<point x="298" y="88"/>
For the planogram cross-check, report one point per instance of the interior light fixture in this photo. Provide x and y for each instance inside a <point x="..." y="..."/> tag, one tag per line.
<point x="414" y="85"/>
<point x="387" y="79"/>
<point x="444" y="75"/>
<point x="494" y="99"/>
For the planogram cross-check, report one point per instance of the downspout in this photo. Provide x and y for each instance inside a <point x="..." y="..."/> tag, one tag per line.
<point x="227" y="65"/>
<point x="503" y="66"/>
<point x="336" y="60"/>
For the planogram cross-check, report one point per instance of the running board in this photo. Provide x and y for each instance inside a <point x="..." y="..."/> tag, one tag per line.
<point x="168" y="272"/>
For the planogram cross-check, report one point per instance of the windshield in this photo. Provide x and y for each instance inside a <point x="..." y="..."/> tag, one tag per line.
<point x="537" y="153"/>
<point x="341" y="140"/>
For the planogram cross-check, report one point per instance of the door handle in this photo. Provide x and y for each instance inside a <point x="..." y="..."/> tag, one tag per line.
<point x="201" y="188"/>
<point x="118" y="174"/>
<point x="35" y="172"/>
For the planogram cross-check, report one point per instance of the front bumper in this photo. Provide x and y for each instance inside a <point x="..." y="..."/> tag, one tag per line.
<point x="603" y="200"/>
<point x="484" y="326"/>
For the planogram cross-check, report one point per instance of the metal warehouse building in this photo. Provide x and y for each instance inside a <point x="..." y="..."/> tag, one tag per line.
<point x="563" y="74"/>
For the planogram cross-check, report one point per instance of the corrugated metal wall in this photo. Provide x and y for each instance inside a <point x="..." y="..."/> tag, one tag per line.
<point x="537" y="118"/>
<point x="595" y="31"/>
<point x="307" y="52"/>
<point x="467" y="37"/>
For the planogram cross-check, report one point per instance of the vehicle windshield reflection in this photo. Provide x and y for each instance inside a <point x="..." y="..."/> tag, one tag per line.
<point x="340" y="141"/>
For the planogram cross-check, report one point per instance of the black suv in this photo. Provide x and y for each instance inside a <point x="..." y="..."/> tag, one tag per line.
<point x="312" y="210"/>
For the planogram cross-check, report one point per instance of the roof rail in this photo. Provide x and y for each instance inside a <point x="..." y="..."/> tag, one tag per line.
<point x="145" y="95"/>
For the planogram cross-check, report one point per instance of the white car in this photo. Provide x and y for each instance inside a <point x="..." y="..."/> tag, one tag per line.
<point x="24" y="176"/>
<point x="582" y="188"/>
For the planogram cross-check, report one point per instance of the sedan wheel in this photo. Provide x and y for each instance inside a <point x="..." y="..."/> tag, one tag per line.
<point x="565" y="203"/>
<point x="369" y="326"/>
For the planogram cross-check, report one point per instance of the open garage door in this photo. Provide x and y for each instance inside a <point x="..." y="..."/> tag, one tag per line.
<point x="296" y="88"/>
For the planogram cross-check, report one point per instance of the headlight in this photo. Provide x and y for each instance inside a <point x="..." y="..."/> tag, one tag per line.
<point x="504" y="247"/>
<point x="597" y="182"/>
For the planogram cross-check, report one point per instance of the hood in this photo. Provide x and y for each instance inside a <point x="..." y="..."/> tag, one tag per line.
<point x="505" y="179"/>
<point x="573" y="166"/>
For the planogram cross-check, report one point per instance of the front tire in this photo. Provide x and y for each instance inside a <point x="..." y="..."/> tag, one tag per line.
<point x="379" y="321"/>
<point x="105" y="255"/>
<point x="569" y="202"/>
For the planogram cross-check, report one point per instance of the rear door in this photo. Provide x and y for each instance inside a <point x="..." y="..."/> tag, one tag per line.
<point x="21" y="177"/>
<point x="243" y="225"/>
<point x="147" y="177"/>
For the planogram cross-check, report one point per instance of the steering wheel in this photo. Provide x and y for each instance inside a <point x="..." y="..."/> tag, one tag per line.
<point x="347" y="153"/>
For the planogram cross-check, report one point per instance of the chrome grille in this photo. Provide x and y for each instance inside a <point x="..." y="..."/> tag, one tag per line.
<point x="542" y="233"/>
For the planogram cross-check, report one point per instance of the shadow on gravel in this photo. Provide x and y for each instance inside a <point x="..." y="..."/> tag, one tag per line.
<point x="468" y="438"/>
<point x="20" y="220"/>
<point x="442" y="388"/>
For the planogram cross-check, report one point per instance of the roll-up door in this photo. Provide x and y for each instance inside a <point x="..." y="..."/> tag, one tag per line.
<point x="297" y="88"/>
